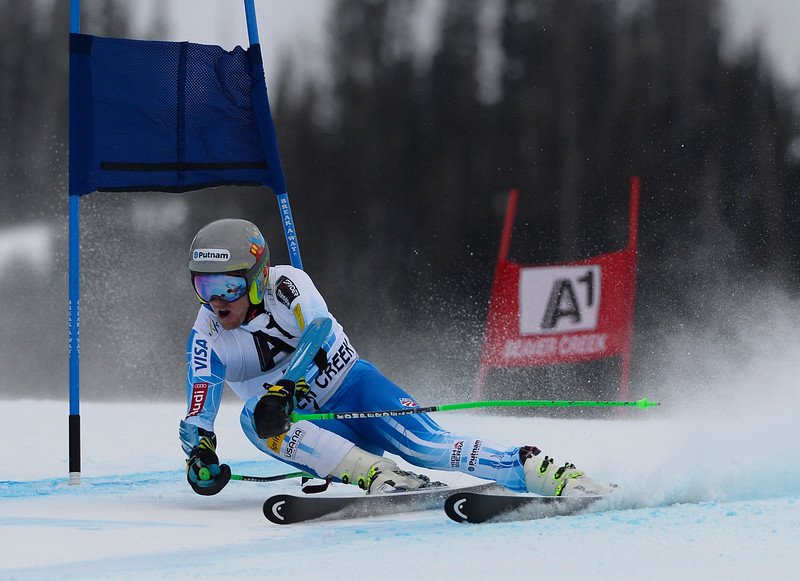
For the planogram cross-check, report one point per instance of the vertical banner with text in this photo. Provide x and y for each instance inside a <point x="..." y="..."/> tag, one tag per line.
<point x="561" y="313"/>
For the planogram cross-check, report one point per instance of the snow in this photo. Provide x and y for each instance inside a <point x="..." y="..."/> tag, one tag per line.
<point x="716" y="494"/>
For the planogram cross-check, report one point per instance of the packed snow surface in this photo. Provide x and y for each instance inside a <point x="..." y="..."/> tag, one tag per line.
<point x="702" y="494"/>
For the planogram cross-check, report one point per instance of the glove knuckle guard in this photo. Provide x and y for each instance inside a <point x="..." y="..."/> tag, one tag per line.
<point x="270" y="417"/>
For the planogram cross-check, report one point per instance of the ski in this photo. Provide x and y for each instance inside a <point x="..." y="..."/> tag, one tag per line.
<point x="285" y="509"/>
<point x="475" y="507"/>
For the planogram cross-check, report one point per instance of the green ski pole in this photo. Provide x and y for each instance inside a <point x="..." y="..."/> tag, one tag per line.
<point x="642" y="403"/>
<point x="271" y="478"/>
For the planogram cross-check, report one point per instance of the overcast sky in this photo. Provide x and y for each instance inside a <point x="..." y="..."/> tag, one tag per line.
<point x="297" y="25"/>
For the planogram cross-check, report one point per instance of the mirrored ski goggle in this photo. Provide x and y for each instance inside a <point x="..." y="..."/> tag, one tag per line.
<point x="227" y="287"/>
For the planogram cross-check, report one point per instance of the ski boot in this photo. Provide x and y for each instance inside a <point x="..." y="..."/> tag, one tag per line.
<point x="377" y="474"/>
<point x="542" y="476"/>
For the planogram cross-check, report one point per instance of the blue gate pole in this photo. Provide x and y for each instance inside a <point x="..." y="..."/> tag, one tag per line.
<point x="74" y="308"/>
<point x="74" y="343"/>
<point x="252" y="25"/>
<point x="287" y="220"/>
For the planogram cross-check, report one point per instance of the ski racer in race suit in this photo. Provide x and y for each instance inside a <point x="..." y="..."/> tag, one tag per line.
<point x="248" y="326"/>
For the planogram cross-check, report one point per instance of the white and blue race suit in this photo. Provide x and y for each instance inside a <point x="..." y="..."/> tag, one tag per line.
<point x="257" y="354"/>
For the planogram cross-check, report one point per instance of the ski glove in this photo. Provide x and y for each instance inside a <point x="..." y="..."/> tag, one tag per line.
<point x="272" y="414"/>
<point x="205" y="474"/>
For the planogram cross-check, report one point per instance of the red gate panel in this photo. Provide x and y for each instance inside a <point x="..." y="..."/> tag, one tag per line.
<point x="562" y="312"/>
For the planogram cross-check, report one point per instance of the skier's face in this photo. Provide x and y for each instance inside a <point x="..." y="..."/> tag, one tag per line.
<point x="230" y="314"/>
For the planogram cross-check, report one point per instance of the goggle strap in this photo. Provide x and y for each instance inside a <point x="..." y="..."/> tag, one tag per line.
<point x="252" y="275"/>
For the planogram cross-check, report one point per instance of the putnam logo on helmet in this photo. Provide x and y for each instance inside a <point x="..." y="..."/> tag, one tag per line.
<point x="211" y="254"/>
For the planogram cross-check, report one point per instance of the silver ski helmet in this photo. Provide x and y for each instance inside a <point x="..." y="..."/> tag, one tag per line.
<point x="230" y="247"/>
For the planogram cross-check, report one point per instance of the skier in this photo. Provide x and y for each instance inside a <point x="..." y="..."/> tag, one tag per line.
<point x="251" y="320"/>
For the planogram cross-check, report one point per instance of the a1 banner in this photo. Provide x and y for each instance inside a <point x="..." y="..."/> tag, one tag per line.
<point x="561" y="313"/>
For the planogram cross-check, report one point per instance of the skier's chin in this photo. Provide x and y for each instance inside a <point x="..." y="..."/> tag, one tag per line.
<point x="227" y="319"/>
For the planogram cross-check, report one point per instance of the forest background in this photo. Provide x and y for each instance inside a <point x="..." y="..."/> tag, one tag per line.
<point x="399" y="164"/>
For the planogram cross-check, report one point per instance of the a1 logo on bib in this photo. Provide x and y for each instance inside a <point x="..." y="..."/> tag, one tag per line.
<point x="558" y="299"/>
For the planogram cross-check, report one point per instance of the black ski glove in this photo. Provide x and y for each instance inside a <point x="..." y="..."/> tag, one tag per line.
<point x="271" y="416"/>
<point x="205" y="474"/>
